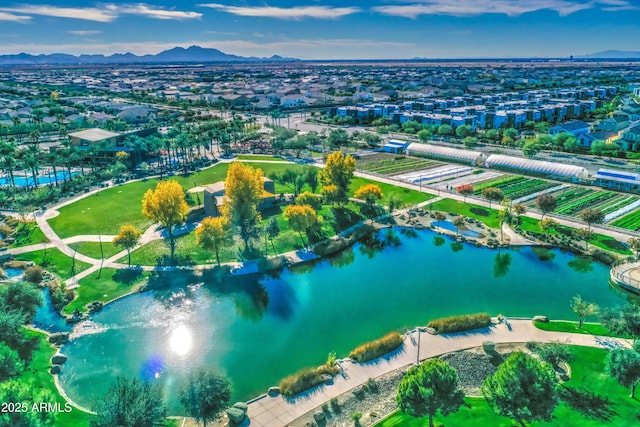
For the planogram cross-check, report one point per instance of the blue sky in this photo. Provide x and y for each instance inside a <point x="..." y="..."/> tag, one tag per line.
<point x="318" y="29"/>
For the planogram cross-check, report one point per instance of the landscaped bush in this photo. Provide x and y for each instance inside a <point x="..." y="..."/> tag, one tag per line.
<point x="465" y="322"/>
<point x="377" y="348"/>
<point x="33" y="274"/>
<point x="305" y="379"/>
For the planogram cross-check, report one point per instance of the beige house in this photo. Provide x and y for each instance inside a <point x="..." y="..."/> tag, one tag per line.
<point x="214" y="197"/>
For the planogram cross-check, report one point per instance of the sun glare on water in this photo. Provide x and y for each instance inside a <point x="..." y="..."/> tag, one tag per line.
<point x="181" y="340"/>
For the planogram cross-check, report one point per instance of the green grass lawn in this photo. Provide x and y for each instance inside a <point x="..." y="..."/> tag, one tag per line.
<point x="408" y="196"/>
<point x="259" y="157"/>
<point x="587" y="328"/>
<point x="111" y="283"/>
<point x="124" y="203"/>
<point x="612" y="406"/>
<point x="486" y="215"/>
<point x="28" y="234"/>
<point x="92" y="249"/>
<point x="54" y="261"/>
<point x="38" y="377"/>
<point x="599" y="240"/>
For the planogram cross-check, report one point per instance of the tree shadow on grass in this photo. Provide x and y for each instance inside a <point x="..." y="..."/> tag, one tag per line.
<point x="128" y="275"/>
<point x="587" y="402"/>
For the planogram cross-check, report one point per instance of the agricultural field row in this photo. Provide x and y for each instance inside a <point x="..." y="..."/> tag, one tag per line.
<point x="499" y="183"/>
<point x="616" y="203"/>
<point x="395" y="165"/>
<point x="530" y="186"/>
<point x="630" y="221"/>
<point x="575" y="205"/>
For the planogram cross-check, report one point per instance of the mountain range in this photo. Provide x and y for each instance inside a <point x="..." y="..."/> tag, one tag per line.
<point x="611" y="54"/>
<point x="193" y="54"/>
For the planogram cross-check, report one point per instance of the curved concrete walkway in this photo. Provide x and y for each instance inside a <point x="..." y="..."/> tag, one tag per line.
<point x="269" y="411"/>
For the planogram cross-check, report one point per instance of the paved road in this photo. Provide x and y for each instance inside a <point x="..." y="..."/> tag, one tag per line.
<point x="269" y="411"/>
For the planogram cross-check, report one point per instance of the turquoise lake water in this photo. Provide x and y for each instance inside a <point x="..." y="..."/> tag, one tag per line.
<point x="258" y="330"/>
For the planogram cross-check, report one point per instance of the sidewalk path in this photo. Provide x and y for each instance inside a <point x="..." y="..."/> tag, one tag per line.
<point x="269" y="411"/>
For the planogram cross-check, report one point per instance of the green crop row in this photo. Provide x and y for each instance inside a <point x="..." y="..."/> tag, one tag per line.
<point x="499" y="182"/>
<point x="616" y="203"/>
<point x="527" y="188"/>
<point x="630" y="221"/>
<point x="585" y="202"/>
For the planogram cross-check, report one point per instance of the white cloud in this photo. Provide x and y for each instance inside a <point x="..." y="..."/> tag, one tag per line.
<point x="4" y="16"/>
<point x="299" y="12"/>
<point x="86" y="13"/>
<point x="152" y="12"/>
<point x="84" y="32"/>
<point x="415" y="8"/>
<point x="101" y="13"/>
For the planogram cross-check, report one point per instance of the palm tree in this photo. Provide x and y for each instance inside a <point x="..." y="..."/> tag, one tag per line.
<point x="53" y="158"/>
<point x="458" y="222"/>
<point x="35" y="135"/>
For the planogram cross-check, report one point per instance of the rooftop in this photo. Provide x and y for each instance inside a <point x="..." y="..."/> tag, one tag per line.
<point x="94" y="135"/>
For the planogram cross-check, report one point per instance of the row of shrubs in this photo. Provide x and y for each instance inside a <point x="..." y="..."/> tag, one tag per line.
<point x="305" y="379"/>
<point x="465" y="322"/>
<point x="377" y="348"/>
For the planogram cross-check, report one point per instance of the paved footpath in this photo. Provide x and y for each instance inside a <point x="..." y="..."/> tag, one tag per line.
<point x="278" y="411"/>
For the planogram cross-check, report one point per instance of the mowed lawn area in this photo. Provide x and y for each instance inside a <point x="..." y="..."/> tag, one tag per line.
<point x="105" y="286"/>
<point x="486" y="215"/>
<point x="55" y="261"/>
<point x="92" y="249"/>
<point x="106" y="211"/>
<point x="600" y="240"/>
<point x="595" y="400"/>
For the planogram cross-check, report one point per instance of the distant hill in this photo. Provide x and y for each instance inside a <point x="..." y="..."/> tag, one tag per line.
<point x="193" y="54"/>
<point x="612" y="54"/>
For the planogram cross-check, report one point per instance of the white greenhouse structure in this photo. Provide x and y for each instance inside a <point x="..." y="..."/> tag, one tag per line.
<point x="560" y="170"/>
<point x="471" y="157"/>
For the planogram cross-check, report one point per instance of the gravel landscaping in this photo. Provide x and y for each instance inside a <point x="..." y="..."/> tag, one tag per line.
<point x="375" y="403"/>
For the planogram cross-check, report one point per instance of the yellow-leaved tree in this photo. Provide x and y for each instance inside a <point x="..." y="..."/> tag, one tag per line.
<point x="128" y="237"/>
<point x="166" y="205"/>
<point x="214" y="234"/>
<point x="338" y="171"/>
<point x="370" y="193"/>
<point x="244" y="188"/>
<point x="301" y="218"/>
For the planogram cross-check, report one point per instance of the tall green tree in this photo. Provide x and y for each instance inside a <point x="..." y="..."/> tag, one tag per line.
<point x="166" y="205"/>
<point x="624" y="365"/>
<point x="492" y="194"/>
<point x="583" y="309"/>
<point x="592" y="216"/>
<point x="18" y="392"/>
<point x="205" y="396"/>
<point x="522" y="388"/>
<point x="273" y="229"/>
<point x="130" y="403"/>
<point x="546" y="203"/>
<point x="428" y="389"/>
